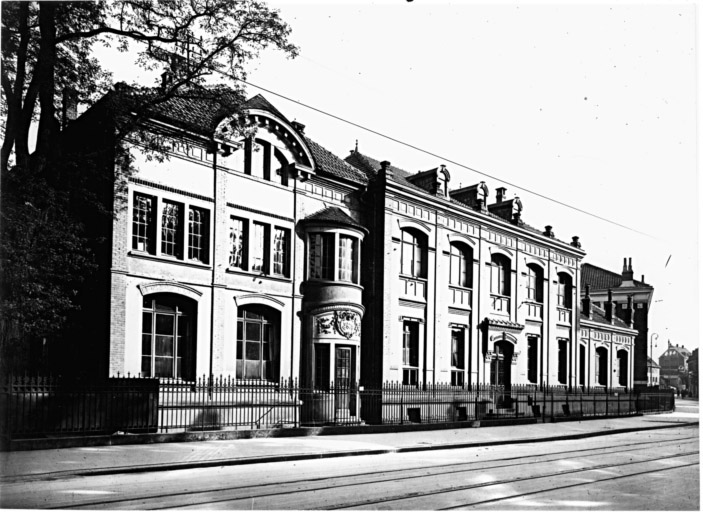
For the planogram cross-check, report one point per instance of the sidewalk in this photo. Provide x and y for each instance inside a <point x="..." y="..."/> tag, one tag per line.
<point x="61" y="463"/>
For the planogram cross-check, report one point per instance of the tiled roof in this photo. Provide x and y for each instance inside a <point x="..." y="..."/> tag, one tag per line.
<point x="334" y="215"/>
<point x="371" y="166"/>
<point x="331" y="164"/>
<point x="681" y="350"/>
<point x="198" y="110"/>
<point x="651" y="362"/>
<point x="598" y="316"/>
<point x="601" y="279"/>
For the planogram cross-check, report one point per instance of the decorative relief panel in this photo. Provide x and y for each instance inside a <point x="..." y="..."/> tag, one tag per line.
<point x="410" y="209"/>
<point x="619" y="338"/>
<point x="535" y="249"/>
<point x="347" y="323"/>
<point x="501" y="239"/>
<point x="564" y="260"/>
<point x="460" y="225"/>
<point x="600" y="336"/>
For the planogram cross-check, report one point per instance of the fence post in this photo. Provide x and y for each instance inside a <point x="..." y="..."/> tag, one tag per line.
<point x="606" y="401"/>
<point x="618" y="404"/>
<point x="552" y="399"/>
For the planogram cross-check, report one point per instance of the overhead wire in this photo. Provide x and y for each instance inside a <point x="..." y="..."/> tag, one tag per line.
<point x="443" y="158"/>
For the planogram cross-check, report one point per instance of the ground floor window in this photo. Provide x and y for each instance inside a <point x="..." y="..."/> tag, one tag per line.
<point x="563" y="361"/>
<point x="582" y="365"/>
<point x="411" y="341"/>
<point x="257" y="343"/>
<point x="532" y="355"/>
<point x="622" y="367"/>
<point x="458" y="356"/>
<point x="602" y="366"/>
<point x="168" y="336"/>
<point x="322" y="366"/>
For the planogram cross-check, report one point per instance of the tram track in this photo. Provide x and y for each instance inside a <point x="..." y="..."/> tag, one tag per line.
<point x="293" y="487"/>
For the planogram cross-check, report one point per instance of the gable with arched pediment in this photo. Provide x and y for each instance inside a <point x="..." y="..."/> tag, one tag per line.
<point x="270" y="130"/>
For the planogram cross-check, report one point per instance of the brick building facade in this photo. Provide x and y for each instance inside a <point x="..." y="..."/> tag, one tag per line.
<point x="269" y="257"/>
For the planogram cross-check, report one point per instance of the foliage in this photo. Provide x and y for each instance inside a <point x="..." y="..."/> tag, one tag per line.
<point x="48" y="66"/>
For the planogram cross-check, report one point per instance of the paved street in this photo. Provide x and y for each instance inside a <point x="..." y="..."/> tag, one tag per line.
<point x="655" y="469"/>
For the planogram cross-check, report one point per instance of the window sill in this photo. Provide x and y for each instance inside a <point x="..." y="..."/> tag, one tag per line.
<point x="168" y="259"/>
<point x="331" y="282"/>
<point x="259" y="275"/>
<point x="414" y="278"/>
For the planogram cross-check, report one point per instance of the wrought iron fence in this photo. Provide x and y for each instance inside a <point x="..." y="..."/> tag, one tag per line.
<point x="35" y="407"/>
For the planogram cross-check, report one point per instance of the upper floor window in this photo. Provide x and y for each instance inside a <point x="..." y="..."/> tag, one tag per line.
<point x="238" y="243"/>
<point x="259" y="247"/>
<point x="413" y="253"/>
<point x="500" y="275"/>
<point x="333" y="256"/>
<point x="144" y="223"/>
<point x="281" y="241"/>
<point x="166" y="231"/>
<point x="564" y="291"/>
<point x="348" y="258"/>
<point x="198" y="224"/>
<point x="460" y="260"/>
<point x="263" y="160"/>
<point x="171" y="227"/>
<point x="534" y="283"/>
<point x="321" y="255"/>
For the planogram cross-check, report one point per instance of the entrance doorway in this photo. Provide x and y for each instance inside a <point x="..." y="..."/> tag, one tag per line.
<point x="501" y="365"/>
<point x="344" y="376"/>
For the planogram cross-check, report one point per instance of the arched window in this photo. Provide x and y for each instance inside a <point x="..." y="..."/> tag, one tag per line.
<point x="257" y="343"/>
<point x="500" y="275"/>
<point x="534" y="282"/>
<point x="168" y="336"/>
<point x="602" y="366"/>
<point x="413" y="253"/>
<point x="564" y="291"/>
<point x="460" y="261"/>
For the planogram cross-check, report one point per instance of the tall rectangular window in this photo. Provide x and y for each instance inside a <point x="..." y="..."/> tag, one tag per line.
<point x="322" y="366"/>
<point x="458" y="353"/>
<point x="172" y="229"/>
<point x="238" y="239"/>
<point x="144" y="223"/>
<point x="347" y="259"/>
<point x="281" y="250"/>
<point x="198" y="234"/>
<point x="259" y="249"/>
<point x="532" y="354"/>
<point x="321" y="254"/>
<point x="582" y="365"/>
<point x="411" y="339"/>
<point x="563" y="361"/>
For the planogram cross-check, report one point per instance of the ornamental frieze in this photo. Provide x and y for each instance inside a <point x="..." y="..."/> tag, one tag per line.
<point x="345" y="322"/>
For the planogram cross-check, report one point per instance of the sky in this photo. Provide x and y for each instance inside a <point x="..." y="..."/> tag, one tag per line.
<point x="593" y="105"/>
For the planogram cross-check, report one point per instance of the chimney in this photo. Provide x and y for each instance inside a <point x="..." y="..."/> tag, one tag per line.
<point x="642" y="278"/>
<point x="299" y="127"/>
<point x="548" y="232"/>
<point x="69" y="108"/>
<point x="386" y="168"/>
<point x="517" y="211"/>
<point x="630" y="312"/>
<point x="627" y="273"/>
<point x="586" y="302"/>
<point x="500" y="194"/>
<point x="609" y="307"/>
<point x="575" y="242"/>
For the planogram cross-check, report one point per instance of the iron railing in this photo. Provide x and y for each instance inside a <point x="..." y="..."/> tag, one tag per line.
<point x="41" y="406"/>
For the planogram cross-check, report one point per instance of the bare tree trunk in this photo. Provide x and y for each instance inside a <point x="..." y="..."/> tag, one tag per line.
<point x="46" y="63"/>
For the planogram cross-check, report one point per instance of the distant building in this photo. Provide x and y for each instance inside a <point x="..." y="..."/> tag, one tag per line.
<point x="610" y="342"/>
<point x="624" y="289"/>
<point x="653" y="368"/>
<point x="674" y="366"/>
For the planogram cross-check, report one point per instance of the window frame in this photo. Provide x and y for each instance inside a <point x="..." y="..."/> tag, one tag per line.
<point x="534" y="285"/>
<point x="269" y="322"/>
<point x="202" y="249"/>
<point x="413" y="253"/>
<point x="460" y="265"/>
<point x="244" y="240"/>
<point x="564" y="290"/>
<point x="410" y="352"/>
<point x="500" y="275"/>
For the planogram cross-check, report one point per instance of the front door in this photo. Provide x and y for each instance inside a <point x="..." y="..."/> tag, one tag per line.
<point x="501" y="366"/>
<point x="343" y="376"/>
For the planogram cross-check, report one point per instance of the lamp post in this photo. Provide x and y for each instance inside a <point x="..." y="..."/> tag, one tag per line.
<point x="653" y="337"/>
